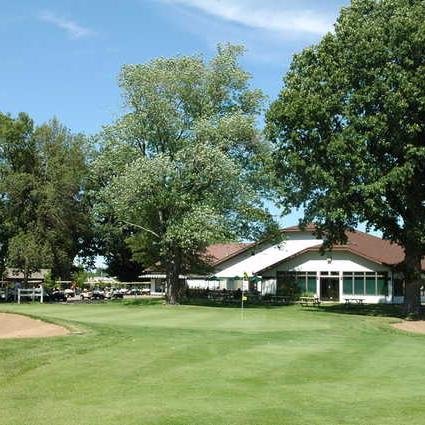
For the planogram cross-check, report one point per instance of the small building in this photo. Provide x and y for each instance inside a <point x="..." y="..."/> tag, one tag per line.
<point x="13" y="276"/>
<point x="366" y="267"/>
<point x="13" y="282"/>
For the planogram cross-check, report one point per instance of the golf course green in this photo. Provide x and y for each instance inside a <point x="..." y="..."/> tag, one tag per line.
<point x="154" y="364"/>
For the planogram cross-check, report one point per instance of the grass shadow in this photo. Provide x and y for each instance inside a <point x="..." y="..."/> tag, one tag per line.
<point x="202" y="302"/>
<point x="376" y="310"/>
<point x="140" y="301"/>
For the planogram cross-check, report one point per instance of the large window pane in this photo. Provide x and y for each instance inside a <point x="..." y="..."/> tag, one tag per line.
<point x="358" y="285"/>
<point x="348" y="285"/>
<point x="382" y="285"/>
<point x="237" y="283"/>
<point x="301" y="282"/>
<point x="311" y="284"/>
<point x="370" y="285"/>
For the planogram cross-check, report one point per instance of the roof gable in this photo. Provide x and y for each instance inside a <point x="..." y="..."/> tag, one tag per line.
<point x="362" y="244"/>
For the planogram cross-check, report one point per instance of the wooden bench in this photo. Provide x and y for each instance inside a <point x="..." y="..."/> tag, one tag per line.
<point x="309" y="302"/>
<point x="349" y="301"/>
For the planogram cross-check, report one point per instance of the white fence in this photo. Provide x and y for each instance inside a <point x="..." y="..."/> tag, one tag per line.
<point x="32" y="293"/>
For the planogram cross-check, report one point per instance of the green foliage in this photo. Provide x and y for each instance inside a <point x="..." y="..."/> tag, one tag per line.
<point x="184" y="168"/>
<point x="28" y="253"/>
<point x="80" y="278"/>
<point x="349" y="126"/>
<point x="42" y="177"/>
<point x="49" y="281"/>
<point x="119" y="257"/>
<point x="292" y="290"/>
<point x="109" y="234"/>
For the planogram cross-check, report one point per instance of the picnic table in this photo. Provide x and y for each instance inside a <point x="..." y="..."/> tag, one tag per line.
<point x="309" y="302"/>
<point x="349" y="301"/>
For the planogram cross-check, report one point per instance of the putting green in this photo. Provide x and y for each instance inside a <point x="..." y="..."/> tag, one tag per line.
<point x="203" y="365"/>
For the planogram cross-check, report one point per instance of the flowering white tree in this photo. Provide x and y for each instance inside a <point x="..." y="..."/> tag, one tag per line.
<point x="185" y="165"/>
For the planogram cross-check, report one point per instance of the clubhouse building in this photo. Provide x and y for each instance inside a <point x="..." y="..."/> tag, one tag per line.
<point x="366" y="267"/>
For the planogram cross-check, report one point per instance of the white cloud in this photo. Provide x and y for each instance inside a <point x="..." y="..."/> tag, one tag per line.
<point x="73" y="29"/>
<point x="268" y="15"/>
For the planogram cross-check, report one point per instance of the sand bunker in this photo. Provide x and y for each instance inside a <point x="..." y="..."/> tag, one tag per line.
<point x="418" y="327"/>
<point x="16" y="326"/>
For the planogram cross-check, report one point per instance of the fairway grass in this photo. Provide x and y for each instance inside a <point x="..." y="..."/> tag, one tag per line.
<point x="153" y="364"/>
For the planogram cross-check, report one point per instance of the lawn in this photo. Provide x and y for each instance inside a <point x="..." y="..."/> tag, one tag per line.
<point x="152" y="364"/>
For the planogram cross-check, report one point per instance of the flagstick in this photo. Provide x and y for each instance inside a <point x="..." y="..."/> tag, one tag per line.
<point x="244" y="282"/>
<point x="242" y="304"/>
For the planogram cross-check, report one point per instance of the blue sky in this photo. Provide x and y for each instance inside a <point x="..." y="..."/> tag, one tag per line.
<point x="62" y="58"/>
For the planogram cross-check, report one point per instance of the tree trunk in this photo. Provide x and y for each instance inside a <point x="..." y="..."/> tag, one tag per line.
<point x="175" y="285"/>
<point x="26" y="273"/>
<point x="412" y="296"/>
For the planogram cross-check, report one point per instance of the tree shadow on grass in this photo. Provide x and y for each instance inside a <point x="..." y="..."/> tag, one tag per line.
<point x="377" y="310"/>
<point x="202" y="302"/>
<point x="141" y="301"/>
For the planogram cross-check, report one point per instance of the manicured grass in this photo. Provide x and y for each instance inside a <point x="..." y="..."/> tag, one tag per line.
<point x="152" y="364"/>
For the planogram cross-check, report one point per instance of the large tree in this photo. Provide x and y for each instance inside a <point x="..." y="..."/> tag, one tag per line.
<point x="42" y="177"/>
<point x="183" y="167"/>
<point x="349" y="126"/>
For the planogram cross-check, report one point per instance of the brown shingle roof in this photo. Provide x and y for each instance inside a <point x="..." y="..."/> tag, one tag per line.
<point x="373" y="247"/>
<point x="308" y="228"/>
<point x="221" y="251"/>
<point x="363" y="244"/>
<point x="214" y="254"/>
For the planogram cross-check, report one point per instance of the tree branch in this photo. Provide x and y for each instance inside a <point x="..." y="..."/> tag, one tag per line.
<point x="141" y="227"/>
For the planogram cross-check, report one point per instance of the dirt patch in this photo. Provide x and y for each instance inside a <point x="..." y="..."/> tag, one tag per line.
<point x="418" y="327"/>
<point x="17" y="326"/>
